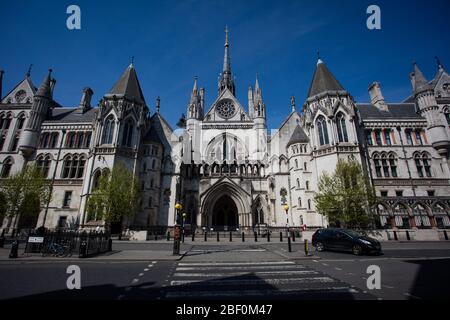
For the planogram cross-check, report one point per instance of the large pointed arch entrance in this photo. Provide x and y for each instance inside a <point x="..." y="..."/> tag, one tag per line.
<point x="225" y="204"/>
<point x="225" y="214"/>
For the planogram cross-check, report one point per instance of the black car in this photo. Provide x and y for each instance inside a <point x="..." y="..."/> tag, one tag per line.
<point x="344" y="240"/>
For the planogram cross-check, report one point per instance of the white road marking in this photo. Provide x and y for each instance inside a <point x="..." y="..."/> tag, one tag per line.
<point x="241" y="293"/>
<point x="146" y="269"/>
<point x="216" y="264"/>
<point x="216" y="282"/>
<point x="410" y="295"/>
<point x="135" y="281"/>
<point x="324" y="264"/>
<point x="247" y="268"/>
<point x="338" y="269"/>
<point x="207" y="275"/>
<point x="141" y="274"/>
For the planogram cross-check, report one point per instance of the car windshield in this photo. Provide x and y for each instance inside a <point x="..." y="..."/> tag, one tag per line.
<point x="352" y="233"/>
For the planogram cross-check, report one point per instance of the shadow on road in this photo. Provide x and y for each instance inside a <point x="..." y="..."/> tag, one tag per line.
<point x="242" y="287"/>
<point x="432" y="279"/>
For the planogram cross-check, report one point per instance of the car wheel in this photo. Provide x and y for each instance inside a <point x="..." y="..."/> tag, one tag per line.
<point x="357" y="250"/>
<point x="320" y="247"/>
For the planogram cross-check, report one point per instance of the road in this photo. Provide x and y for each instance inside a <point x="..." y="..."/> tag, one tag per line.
<point x="237" y="271"/>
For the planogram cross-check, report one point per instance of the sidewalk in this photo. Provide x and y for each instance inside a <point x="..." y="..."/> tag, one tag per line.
<point x="115" y="255"/>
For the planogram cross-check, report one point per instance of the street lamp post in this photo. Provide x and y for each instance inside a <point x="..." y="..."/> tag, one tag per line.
<point x="182" y="227"/>
<point x="286" y="208"/>
<point x="176" y="238"/>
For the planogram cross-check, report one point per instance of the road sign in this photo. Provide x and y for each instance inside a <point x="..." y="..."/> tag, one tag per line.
<point x="36" y="239"/>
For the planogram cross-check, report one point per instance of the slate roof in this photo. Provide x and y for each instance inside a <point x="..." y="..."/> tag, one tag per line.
<point x="152" y="136"/>
<point x="323" y="80"/>
<point x="396" y="111"/>
<point x="70" y="115"/>
<point x="128" y="85"/>
<point x="298" y="136"/>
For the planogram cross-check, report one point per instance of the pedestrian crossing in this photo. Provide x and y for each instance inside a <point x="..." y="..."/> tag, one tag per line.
<point x="259" y="280"/>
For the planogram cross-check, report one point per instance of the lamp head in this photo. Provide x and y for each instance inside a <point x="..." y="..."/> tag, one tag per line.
<point x="286" y="208"/>
<point x="178" y="206"/>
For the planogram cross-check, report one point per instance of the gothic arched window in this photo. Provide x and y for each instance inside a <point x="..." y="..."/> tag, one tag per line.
<point x="447" y="114"/>
<point x="43" y="164"/>
<point x="376" y="161"/>
<point x="73" y="167"/>
<point x="393" y="164"/>
<point x="128" y="134"/>
<point x="322" y="131"/>
<point x="6" y="168"/>
<point x="108" y="130"/>
<point x="423" y="165"/>
<point x="20" y="122"/>
<point x="341" y="128"/>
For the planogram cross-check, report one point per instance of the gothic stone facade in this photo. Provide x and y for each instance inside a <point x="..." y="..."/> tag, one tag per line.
<point x="224" y="166"/>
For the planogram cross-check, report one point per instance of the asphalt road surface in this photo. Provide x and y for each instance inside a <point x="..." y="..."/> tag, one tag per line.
<point x="238" y="271"/>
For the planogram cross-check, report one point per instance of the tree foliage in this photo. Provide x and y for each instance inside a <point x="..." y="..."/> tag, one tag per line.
<point x="116" y="197"/>
<point x="346" y="197"/>
<point x="25" y="192"/>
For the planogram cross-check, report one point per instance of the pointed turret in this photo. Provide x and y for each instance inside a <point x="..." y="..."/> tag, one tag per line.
<point x="195" y="106"/>
<point x="298" y="136"/>
<point x="226" y="80"/>
<point x="40" y="109"/>
<point x="45" y="89"/>
<point x="420" y="82"/>
<point x="128" y="86"/>
<point x="427" y="107"/>
<point x="323" y="81"/>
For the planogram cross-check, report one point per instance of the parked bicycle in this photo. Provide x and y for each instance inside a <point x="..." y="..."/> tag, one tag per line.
<point x="58" y="250"/>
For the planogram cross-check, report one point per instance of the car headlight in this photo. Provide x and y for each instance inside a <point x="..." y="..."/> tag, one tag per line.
<point x="366" y="242"/>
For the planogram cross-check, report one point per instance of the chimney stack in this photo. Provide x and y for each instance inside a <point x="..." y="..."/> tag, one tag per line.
<point x="85" y="103"/>
<point x="376" y="97"/>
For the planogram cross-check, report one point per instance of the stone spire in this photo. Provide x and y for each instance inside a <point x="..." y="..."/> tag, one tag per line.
<point x="226" y="78"/>
<point x="195" y="106"/>
<point x="420" y="82"/>
<point x="45" y="89"/>
<point x="128" y="86"/>
<point x="158" y="104"/>
<point x="323" y="80"/>
<point x="293" y="105"/>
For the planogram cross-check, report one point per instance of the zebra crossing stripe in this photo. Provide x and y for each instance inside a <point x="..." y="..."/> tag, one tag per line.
<point x="235" y="263"/>
<point x="216" y="282"/>
<point x="207" y="275"/>
<point x="256" y="293"/>
<point x="246" y="268"/>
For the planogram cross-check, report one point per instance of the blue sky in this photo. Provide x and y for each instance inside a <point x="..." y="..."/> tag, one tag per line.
<point x="173" y="41"/>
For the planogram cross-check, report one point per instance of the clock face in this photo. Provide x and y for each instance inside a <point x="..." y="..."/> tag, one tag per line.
<point x="226" y="109"/>
<point x="20" y="96"/>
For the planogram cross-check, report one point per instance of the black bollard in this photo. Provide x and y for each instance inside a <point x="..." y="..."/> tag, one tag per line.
<point x="83" y="249"/>
<point x="281" y="236"/>
<point x="218" y="239"/>
<point x="407" y="235"/>
<point x="445" y="235"/>
<point x="395" y="236"/>
<point x="306" y="248"/>
<point x="14" y="250"/>
<point x="243" y="237"/>
<point x="231" y="236"/>
<point x="193" y="236"/>
<point x="268" y="236"/>
<point x="293" y="236"/>
<point x="2" y="242"/>
<point x="206" y="236"/>
<point x="168" y="235"/>
<point x="156" y="237"/>
<point x="110" y="244"/>
<point x="256" y="236"/>
<point x="289" y="242"/>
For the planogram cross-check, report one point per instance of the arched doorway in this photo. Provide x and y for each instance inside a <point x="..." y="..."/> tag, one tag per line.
<point x="225" y="213"/>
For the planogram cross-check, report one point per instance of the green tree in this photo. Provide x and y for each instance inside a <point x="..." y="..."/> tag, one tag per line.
<point x="346" y="197"/>
<point x="25" y="193"/>
<point x="116" y="197"/>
